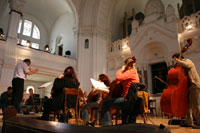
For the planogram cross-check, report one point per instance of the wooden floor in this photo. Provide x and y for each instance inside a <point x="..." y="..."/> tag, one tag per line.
<point x="151" y="120"/>
<point x="173" y="128"/>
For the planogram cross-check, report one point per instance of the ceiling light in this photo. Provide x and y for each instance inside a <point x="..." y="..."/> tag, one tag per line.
<point x="189" y="27"/>
<point x="28" y="43"/>
<point x="124" y="46"/>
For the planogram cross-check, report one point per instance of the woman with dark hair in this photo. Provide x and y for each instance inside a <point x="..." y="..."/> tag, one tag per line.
<point x="94" y="99"/>
<point x="67" y="80"/>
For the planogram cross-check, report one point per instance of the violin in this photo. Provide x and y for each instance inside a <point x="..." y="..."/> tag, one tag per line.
<point x="174" y="100"/>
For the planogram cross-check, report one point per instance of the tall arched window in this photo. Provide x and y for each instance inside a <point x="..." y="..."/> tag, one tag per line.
<point x="86" y="43"/>
<point x="28" y="32"/>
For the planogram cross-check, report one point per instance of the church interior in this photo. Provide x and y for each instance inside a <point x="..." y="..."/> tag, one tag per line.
<point x="95" y="37"/>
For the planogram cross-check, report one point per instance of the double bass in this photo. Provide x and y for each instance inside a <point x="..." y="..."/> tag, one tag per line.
<point x="174" y="100"/>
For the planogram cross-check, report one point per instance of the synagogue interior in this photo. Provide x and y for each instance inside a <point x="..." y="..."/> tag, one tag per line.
<point x="100" y="65"/>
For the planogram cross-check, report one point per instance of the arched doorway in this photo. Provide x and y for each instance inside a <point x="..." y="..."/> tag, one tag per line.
<point x="159" y="77"/>
<point x="153" y="63"/>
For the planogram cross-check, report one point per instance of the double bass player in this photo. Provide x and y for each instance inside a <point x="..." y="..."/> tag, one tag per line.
<point x="193" y="90"/>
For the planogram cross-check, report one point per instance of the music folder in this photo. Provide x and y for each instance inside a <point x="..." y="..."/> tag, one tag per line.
<point x="99" y="85"/>
<point x="45" y="85"/>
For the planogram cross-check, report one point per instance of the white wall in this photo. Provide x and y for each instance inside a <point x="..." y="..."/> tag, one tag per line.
<point x="63" y="27"/>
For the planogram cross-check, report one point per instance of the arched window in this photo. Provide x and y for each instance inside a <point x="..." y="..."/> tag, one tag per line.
<point x="28" y="32"/>
<point x="30" y="87"/>
<point x="86" y="43"/>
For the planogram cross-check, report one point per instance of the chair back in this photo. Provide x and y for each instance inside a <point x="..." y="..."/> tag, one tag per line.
<point x="75" y="92"/>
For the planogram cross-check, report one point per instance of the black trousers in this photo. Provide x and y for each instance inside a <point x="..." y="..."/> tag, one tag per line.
<point x="18" y="89"/>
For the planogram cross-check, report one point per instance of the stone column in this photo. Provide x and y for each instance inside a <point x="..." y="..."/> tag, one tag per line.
<point x="91" y="59"/>
<point x="10" y="59"/>
<point x="75" y="39"/>
<point x="16" y="7"/>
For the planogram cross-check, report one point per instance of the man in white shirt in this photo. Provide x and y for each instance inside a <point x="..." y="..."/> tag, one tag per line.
<point x="193" y="91"/>
<point x="21" y="70"/>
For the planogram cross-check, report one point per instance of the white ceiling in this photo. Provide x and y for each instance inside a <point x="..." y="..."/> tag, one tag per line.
<point x="46" y="11"/>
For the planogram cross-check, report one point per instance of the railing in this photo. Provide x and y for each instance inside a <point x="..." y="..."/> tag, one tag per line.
<point x="119" y="45"/>
<point x="49" y="64"/>
<point x="189" y="22"/>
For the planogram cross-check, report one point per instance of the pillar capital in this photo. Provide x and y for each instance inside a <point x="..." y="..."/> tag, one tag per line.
<point x="17" y="5"/>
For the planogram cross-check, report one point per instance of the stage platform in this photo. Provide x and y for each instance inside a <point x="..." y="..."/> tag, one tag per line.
<point x="32" y="125"/>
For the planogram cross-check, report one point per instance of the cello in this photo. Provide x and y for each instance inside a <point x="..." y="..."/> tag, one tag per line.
<point x="174" y="99"/>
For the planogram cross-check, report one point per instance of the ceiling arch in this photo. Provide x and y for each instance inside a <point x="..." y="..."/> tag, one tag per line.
<point x="48" y="11"/>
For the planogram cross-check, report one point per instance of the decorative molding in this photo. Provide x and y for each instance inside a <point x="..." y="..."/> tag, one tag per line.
<point x="117" y="46"/>
<point x="192" y="20"/>
<point x="20" y="13"/>
<point x="93" y="31"/>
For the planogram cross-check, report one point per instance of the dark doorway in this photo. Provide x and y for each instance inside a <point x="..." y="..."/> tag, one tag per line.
<point x="159" y="77"/>
<point x="60" y="50"/>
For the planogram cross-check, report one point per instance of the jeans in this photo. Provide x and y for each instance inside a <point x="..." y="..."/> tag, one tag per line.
<point x="27" y="108"/>
<point x="193" y="105"/>
<point x="86" y="113"/>
<point x="105" y="112"/>
<point x="3" y="106"/>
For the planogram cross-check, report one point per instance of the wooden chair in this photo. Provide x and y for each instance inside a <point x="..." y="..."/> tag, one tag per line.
<point x="152" y="106"/>
<point x="9" y="112"/>
<point x="55" y="113"/>
<point x="76" y="92"/>
<point x="116" y="113"/>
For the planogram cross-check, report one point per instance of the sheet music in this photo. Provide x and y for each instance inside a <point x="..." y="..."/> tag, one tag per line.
<point x="45" y="85"/>
<point x="99" y="85"/>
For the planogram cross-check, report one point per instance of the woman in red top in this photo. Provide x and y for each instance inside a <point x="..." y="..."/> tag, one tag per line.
<point x="128" y="77"/>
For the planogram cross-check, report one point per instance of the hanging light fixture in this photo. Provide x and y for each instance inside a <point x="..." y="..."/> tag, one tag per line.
<point x="46" y="48"/>
<point x="28" y="43"/>
<point x="1" y="33"/>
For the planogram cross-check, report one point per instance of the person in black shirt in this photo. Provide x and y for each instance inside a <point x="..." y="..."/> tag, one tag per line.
<point x="6" y="98"/>
<point x="30" y="103"/>
<point x="68" y="80"/>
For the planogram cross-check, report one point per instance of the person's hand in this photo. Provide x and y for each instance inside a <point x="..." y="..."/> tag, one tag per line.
<point x="95" y="91"/>
<point x="123" y="67"/>
<point x="61" y="76"/>
<point x="36" y="69"/>
<point x="99" y="101"/>
<point x="175" y="59"/>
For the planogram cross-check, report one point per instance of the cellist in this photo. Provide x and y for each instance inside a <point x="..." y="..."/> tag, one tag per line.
<point x="94" y="99"/>
<point x="128" y="74"/>
<point x="193" y="90"/>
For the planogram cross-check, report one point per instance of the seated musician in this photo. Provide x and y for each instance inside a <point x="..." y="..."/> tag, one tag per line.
<point x="94" y="99"/>
<point x="128" y="74"/>
<point x="30" y="102"/>
<point x="68" y="80"/>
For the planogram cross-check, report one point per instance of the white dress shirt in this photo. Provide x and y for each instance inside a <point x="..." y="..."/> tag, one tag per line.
<point x="21" y="69"/>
